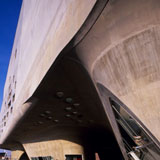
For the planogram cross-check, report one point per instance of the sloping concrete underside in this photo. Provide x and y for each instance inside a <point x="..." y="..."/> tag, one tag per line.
<point x="48" y="117"/>
<point x="52" y="118"/>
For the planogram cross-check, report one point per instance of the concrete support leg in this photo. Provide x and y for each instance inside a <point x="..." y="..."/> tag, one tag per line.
<point x="15" y="155"/>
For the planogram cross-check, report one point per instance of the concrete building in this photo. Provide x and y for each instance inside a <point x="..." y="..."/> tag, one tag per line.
<point x="84" y="81"/>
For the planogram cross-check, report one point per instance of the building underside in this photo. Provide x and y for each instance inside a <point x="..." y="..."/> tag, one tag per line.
<point x="87" y="81"/>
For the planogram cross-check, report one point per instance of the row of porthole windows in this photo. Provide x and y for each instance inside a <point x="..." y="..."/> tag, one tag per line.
<point x="7" y="114"/>
<point x="12" y="86"/>
<point x="4" y="120"/>
<point x="10" y="101"/>
<point x="11" y="95"/>
<point x="3" y="124"/>
<point x="10" y="98"/>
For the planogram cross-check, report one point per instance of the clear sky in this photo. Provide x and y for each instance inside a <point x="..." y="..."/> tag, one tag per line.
<point x="9" y="14"/>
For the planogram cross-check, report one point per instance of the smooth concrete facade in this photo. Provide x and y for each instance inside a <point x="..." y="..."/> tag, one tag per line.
<point x="58" y="22"/>
<point x="19" y="79"/>
<point x="69" y="58"/>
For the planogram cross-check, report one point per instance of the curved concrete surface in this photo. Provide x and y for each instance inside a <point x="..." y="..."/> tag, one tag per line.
<point x="123" y="55"/>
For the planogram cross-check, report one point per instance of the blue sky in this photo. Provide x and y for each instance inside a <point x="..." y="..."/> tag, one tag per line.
<point x="9" y="14"/>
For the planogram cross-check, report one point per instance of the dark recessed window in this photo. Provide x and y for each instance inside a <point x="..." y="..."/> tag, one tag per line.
<point x="9" y="95"/>
<point x="73" y="157"/>
<point x="15" y="53"/>
<point x="137" y="142"/>
<point x="13" y="98"/>
<point x="42" y="158"/>
<point x="9" y="104"/>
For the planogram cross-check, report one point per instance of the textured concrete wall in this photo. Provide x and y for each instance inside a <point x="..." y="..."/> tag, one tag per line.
<point x="122" y="53"/>
<point x="15" y="155"/>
